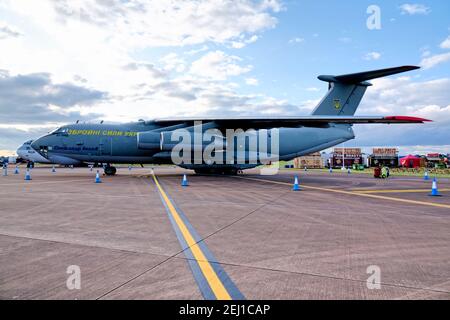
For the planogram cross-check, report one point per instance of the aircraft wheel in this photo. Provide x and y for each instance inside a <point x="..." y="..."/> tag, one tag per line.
<point x="230" y="172"/>
<point x="110" y="171"/>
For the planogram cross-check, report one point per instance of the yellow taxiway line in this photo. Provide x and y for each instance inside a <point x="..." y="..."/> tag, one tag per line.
<point x="396" y="191"/>
<point x="210" y="275"/>
<point x="424" y="203"/>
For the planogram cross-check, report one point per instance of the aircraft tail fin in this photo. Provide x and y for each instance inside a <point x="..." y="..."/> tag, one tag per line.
<point x="346" y="91"/>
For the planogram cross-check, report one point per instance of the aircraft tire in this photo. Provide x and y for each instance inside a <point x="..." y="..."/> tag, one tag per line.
<point x="110" y="171"/>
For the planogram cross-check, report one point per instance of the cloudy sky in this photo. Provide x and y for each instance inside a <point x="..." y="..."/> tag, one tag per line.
<point x="122" y="60"/>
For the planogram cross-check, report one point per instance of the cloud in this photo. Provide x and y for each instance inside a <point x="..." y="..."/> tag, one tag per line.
<point x="403" y="96"/>
<point x="415" y="8"/>
<point x="446" y="43"/>
<point x="244" y="42"/>
<point x="218" y="66"/>
<point x="34" y="98"/>
<point x="109" y="45"/>
<point x="12" y="138"/>
<point x="345" y="39"/>
<point x="195" y="51"/>
<point x="252" y="81"/>
<point x="155" y="72"/>
<point x="432" y="61"/>
<point x="372" y="56"/>
<point x="7" y="31"/>
<point x="166" y="23"/>
<point x="172" y="61"/>
<point x="296" y="40"/>
<point x="312" y="89"/>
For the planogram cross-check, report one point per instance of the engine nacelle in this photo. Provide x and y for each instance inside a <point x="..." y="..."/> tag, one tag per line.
<point x="148" y="140"/>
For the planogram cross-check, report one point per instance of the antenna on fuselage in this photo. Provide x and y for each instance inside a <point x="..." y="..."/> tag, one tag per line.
<point x="101" y="122"/>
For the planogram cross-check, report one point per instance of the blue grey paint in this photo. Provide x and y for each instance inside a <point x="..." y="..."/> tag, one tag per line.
<point x="147" y="141"/>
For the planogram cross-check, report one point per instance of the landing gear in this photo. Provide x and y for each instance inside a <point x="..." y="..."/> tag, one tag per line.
<point x="110" y="171"/>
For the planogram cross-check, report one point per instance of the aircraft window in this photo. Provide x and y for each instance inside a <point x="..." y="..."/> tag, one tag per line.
<point x="59" y="131"/>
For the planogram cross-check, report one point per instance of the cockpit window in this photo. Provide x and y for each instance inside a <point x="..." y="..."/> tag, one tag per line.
<point x="59" y="130"/>
<point x="54" y="131"/>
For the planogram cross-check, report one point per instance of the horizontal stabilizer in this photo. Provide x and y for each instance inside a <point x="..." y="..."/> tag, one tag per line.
<point x="355" y="78"/>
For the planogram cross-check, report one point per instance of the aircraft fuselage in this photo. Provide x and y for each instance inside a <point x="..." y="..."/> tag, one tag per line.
<point x="118" y="143"/>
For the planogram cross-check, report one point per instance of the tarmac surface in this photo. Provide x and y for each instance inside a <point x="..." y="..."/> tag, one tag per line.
<point x="130" y="242"/>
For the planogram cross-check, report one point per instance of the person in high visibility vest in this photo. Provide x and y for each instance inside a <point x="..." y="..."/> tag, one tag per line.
<point x="384" y="173"/>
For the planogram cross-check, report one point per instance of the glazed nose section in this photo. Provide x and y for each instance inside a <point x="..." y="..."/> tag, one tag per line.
<point x="38" y="143"/>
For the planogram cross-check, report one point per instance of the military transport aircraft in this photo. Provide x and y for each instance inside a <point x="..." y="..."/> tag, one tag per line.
<point x="153" y="141"/>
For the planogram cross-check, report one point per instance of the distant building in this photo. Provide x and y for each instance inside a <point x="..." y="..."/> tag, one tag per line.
<point x="351" y="156"/>
<point x="313" y="160"/>
<point x="436" y="160"/>
<point x="383" y="157"/>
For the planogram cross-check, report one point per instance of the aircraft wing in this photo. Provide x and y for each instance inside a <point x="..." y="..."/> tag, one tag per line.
<point x="293" y="121"/>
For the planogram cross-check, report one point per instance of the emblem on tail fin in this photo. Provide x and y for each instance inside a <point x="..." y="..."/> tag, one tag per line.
<point x="337" y="104"/>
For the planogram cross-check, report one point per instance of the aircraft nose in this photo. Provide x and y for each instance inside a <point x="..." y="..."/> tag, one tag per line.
<point x="20" y="151"/>
<point x="36" y="143"/>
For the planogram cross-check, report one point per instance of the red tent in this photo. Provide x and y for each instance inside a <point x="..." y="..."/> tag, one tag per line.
<point x="410" y="161"/>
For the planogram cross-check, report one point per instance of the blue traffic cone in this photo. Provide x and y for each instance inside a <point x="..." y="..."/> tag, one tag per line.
<point x="331" y="170"/>
<point x="97" y="178"/>
<point x="27" y="174"/>
<point x="90" y="167"/>
<point x="296" y="187"/>
<point x="184" y="182"/>
<point x="349" y="171"/>
<point x="5" y="170"/>
<point x="16" y="171"/>
<point x="434" y="189"/>
<point x="306" y="169"/>
<point x="129" y="168"/>
<point x="425" y="176"/>
<point x="53" y="168"/>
